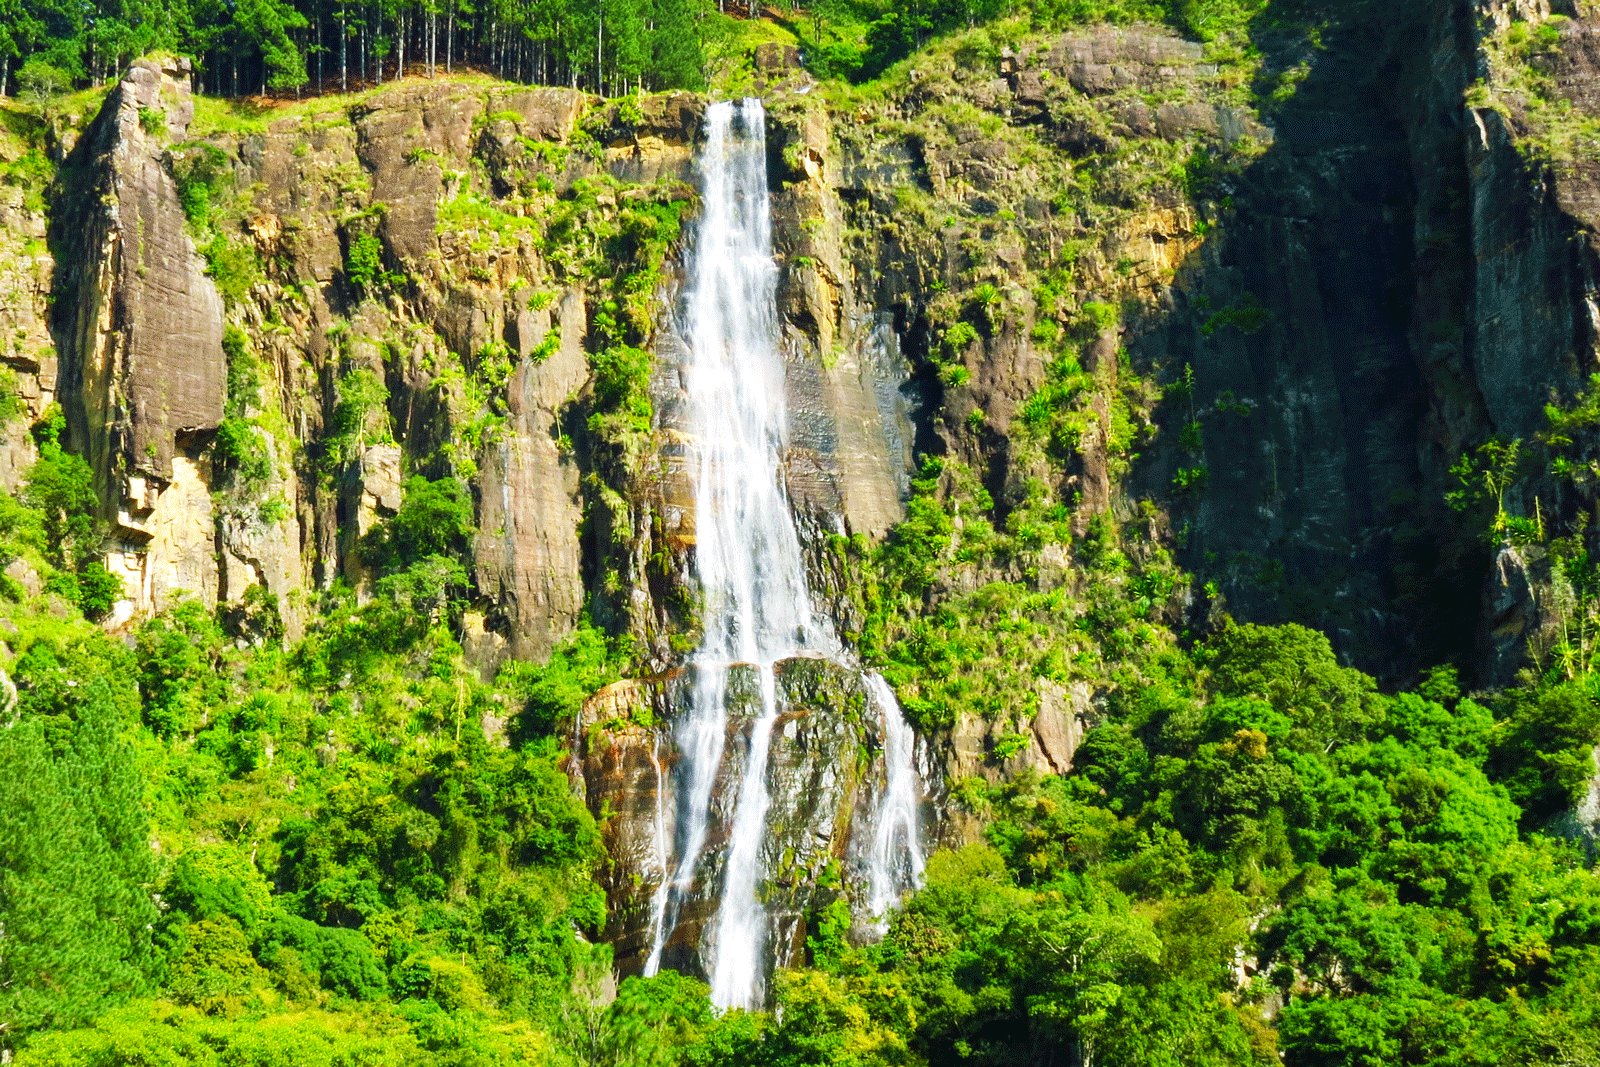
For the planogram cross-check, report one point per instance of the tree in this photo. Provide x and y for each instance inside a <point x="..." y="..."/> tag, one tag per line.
<point x="1294" y="669"/>
<point x="676" y="60"/>
<point x="76" y="870"/>
<point x="435" y="519"/>
<point x="264" y="26"/>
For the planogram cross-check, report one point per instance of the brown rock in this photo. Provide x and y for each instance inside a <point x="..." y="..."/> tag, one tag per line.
<point x="403" y="136"/>
<point x="142" y="364"/>
<point x="545" y="114"/>
<point x="527" y="557"/>
<point x="776" y="58"/>
<point x="1059" y="725"/>
<point x="146" y="342"/>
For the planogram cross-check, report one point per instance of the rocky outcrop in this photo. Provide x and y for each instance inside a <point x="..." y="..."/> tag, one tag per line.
<point x="27" y="350"/>
<point x="143" y="374"/>
<point x="444" y="300"/>
<point x="850" y="394"/>
<point x="526" y="554"/>
<point x="404" y="139"/>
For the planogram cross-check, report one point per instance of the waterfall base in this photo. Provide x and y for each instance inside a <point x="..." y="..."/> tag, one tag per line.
<point x="826" y="776"/>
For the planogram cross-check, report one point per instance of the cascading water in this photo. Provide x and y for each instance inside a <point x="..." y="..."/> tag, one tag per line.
<point x="757" y="609"/>
<point x="896" y="858"/>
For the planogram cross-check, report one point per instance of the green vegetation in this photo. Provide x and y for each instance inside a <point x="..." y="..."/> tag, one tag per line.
<point x="360" y="418"/>
<point x="220" y="853"/>
<point x="153" y="120"/>
<point x="201" y="173"/>
<point x="420" y="555"/>
<point x="31" y="172"/>
<point x="48" y="46"/>
<point x="355" y="849"/>
<point x="76" y="869"/>
<point x="363" y="262"/>
<point x="58" y="523"/>
<point x="242" y="450"/>
<point x="1545" y="125"/>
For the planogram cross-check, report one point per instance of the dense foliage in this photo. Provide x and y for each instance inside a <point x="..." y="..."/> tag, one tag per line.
<point x="241" y="855"/>
<point x="47" y="46"/>
<point x="355" y="850"/>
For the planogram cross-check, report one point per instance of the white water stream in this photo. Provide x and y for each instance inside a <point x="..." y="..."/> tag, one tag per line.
<point x="896" y="859"/>
<point x="757" y="609"/>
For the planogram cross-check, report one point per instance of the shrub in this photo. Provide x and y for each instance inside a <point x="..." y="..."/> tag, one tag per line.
<point x="435" y="518"/>
<point x="233" y="266"/>
<point x="363" y="261"/>
<point x="98" y="591"/>
<point x="60" y="486"/>
<point x="198" y="173"/>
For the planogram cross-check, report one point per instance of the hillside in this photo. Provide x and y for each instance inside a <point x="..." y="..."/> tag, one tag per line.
<point x="1185" y="425"/>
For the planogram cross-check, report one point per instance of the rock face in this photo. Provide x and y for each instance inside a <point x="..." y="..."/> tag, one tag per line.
<point x="850" y="393"/>
<point x="529" y="512"/>
<point x="27" y="353"/>
<point x="1429" y="288"/>
<point x="142" y="363"/>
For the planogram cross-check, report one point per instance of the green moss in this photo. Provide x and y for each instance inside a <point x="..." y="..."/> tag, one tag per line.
<point x="1545" y="126"/>
<point x="32" y="172"/>
<point x="1247" y="315"/>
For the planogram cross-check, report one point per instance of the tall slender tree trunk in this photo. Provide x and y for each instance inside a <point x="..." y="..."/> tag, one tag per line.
<point x="344" y="48"/>
<point x="320" y="53"/>
<point x="449" y="36"/>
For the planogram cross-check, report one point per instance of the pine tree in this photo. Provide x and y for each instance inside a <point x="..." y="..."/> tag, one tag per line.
<point x="676" y="60"/>
<point x="75" y="867"/>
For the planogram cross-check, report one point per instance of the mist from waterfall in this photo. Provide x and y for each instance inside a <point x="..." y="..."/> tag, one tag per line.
<point x="756" y="607"/>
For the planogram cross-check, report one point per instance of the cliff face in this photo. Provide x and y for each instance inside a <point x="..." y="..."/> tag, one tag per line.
<point x="1115" y="284"/>
<point x="141" y="335"/>
<point x="469" y="280"/>
<point x="1384" y="281"/>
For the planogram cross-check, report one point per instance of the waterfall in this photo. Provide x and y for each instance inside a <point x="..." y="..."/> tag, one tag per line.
<point x="756" y="607"/>
<point x="896" y="858"/>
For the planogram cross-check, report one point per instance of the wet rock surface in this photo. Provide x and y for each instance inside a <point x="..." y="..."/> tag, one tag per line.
<point x="824" y="769"/>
